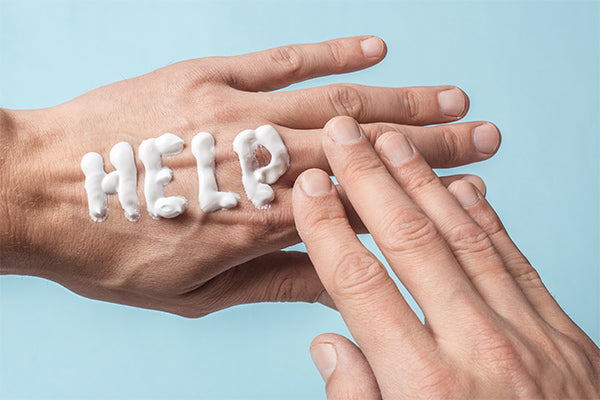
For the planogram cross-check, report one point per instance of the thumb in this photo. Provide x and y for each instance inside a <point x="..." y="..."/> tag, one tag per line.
<point x="282" y="276"/>
<point x="344" y="368"/>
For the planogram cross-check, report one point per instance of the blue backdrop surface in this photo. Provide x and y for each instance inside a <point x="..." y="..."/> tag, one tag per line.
<point x="530" y="67"/>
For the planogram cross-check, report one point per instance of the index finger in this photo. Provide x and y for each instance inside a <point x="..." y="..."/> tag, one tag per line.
<point x="281" y="66"/>
<point x="368" y="299"/>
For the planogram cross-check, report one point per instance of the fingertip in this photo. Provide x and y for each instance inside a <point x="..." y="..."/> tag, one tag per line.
<point x="344" y="368"/>
<point x="383" y="137"/>
<point x="327" y="338"/>
<point x="320" y="351"/>
<point x="467" y="102"/>
<point x="487" y="139"/>
<point x="324" y="357"/>
<point x="477" y="182"/>
<point x="465" y="192"/>
<point x="453" y="102"/>
<point x="395" y="147"/>
<point x="314" y="183"/>
<point x="342" y="130"/>
<point x="314" y="201"/>
<point x="373" y="48"/>
<point x="338" y="121"/>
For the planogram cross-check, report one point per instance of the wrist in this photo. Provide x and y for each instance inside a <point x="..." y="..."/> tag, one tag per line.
<point x="21" y="191"/>
<point x="8" y="140"/>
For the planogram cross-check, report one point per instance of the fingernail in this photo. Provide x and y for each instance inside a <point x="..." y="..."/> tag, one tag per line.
<point x="372" y="47"/>
<point x="452" y="102"/>
<point x="397" y="149"/>
<point x="466" y="194"/>
<point x="486" y="138"/>
<point x="477" y="182"/>
<point x="315" y="183"/>
<point x="325" y="359"/>
<point x="325" y="299"/>
<point x="344" y="131"/>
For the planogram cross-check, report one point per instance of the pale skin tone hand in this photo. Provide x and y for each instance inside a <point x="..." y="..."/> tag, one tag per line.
<point x="492" y="329"/>
<point x="198" y="263"/>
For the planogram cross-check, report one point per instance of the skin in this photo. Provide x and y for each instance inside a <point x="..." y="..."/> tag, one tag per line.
<point x="491" y="328"/>
<point x="199" y="263"/>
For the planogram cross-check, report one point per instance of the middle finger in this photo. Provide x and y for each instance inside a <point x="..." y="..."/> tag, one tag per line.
<point x="313" y="107"/>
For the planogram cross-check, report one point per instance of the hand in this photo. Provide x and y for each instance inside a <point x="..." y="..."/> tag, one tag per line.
<point x="491" y="328"/>
<point x="198" y="263"/>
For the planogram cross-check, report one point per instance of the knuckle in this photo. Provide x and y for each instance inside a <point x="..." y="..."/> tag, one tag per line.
<point x="413" y="101"/>
<point x="502" y="357"/>
<point x="362" y="166"/>
<point x="449" y="144"/>
<point x="494" y="345"/>
<point x="323" y="223"/>
<point x="337" y="55"/>
<point x="438" y="383"/>
<point x="490" y="222"/>
<point x="346" y="101"/>
<point x="262" y="228"/>
<point x="406" y="229"/>
<point x="576" y="354"/>
<point x="414" y="182"/>
<point x="528" y="277"/>
<point x="289" y="286"/>
<point x="288" y="58"/>
<point x="215" y="110"/>
<point x="285" y="290"/>
<point x="320" y="220"/>
<point x="469" y="238"/>
<point x="358" y="274"/>
<point x="196" y="72"/>
<point x="494" y="349"/>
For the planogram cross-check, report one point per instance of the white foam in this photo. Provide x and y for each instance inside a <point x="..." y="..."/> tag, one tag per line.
<point x="203" y="148"/>
<point x="256" y="181"/>
<point x="157" y="176"/>
<point x="122" y="181"/>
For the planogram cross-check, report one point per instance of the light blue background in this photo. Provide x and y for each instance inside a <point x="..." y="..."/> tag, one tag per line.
<point x="530" y="67"/>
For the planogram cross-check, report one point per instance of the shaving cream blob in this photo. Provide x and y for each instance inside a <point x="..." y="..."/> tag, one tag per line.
<point x="123" y="181"/>
<point x="157" y="176"/>
<point x="257" y="181"/>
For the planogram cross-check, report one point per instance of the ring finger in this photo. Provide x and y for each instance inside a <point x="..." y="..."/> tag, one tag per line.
<point x="442" y="146"/>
